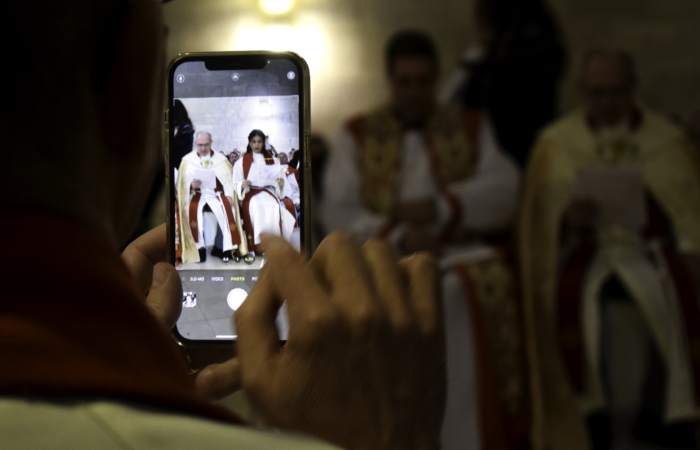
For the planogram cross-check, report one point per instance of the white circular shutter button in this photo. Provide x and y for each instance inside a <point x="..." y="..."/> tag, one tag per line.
<point x="236" y="298"/>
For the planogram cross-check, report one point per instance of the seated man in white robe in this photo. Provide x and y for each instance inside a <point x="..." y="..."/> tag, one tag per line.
<point x="204" y="179"/>
<point x="260" y="184"/>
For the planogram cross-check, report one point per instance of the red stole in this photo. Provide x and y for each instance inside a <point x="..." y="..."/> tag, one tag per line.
<point x="491" y="296"/>
<point x="570" y="297"/>
<point x="295" y="172"/>
<point x="228" y="209"/>
<point x="245" y="207"/>
<point x="80" y="328"/>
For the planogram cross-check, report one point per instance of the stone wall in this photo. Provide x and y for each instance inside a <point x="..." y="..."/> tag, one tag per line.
<point x="343" y="40"/>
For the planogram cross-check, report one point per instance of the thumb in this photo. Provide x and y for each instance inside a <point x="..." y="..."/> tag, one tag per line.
<point x="218" y="381"/>
<point x="165" y="296"/>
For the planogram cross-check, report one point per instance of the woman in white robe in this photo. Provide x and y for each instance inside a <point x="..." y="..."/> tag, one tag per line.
<point x="260" y="184"/>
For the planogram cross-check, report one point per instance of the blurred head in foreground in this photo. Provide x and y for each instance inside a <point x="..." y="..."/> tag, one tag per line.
<point x="88" y="101"/>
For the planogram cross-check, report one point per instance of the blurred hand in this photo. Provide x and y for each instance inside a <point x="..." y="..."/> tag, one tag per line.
<point x="196" y="184"/>
<point x="160" y="283"/>
<point x="417" y="212"/>
<point x="418" y="239"/>
<point x="582" y="213"/>
<point x="364" y="363"/>
<point x="246" y="184"/>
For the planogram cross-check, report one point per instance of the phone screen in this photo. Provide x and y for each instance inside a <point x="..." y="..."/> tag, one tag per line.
<point x="236" y="171"/>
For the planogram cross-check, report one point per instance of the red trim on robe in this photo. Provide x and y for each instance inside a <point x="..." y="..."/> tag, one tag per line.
<point x="194" y="223"/>
<point x="473" y="123"/>
<point x="289" y="206"/>
<point x="247" y="223"/>
<point x="194" y="226"/>
<point x="570" y="298"/>
<point x="491" y="416"/>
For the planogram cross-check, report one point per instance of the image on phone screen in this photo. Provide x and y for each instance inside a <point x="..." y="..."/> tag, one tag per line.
<point x="236" y="173"/>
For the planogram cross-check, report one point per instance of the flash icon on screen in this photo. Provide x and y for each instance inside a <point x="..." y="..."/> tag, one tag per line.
<point x="291" y="75"/>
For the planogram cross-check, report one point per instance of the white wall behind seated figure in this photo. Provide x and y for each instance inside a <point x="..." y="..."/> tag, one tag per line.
<point x="231" y="119"/>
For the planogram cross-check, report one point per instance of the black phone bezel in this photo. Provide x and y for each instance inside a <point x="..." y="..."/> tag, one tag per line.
<point x="240" y="61"/>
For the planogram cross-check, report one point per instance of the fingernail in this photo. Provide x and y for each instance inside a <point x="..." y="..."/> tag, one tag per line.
<point x="160" y="275"/>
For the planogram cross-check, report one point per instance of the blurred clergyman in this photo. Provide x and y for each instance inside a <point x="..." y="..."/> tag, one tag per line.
<point x="610" y="235"/>
<point x="414" y="171"/>
<point x="219" y="196"/>
<point x="431" y="177"/>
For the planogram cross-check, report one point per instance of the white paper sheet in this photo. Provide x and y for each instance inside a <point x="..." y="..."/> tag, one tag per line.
<point x="618" y="191"/>
<point x="207" y="177"/>
<point x="267" y="175"/>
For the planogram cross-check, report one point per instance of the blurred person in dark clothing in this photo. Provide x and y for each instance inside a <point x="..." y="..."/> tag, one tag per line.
<point x="513" y="71"/>
<point x="318" y="149"/>
<point x="610" y="246"/>
<point x="295" y="160"/>
<point x="183" y="133"/>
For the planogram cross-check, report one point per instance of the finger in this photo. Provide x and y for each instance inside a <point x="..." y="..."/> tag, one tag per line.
<point x="258" y="340"/>
<point x="340" y="264"/>
<point x="390" y="283"/>
<point x="425" y="291"/>
<point x="288" y="273"/>
<point x="144" y="253"/>
<point x="164" y="298"/>
<point x="218" y="381"/>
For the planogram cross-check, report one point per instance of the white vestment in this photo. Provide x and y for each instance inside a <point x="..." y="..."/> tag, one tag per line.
<point x="193" y="162"/>
<point x="266" y="213"/>
<point x="488" y="199"/>
<point x="292" y="190"/>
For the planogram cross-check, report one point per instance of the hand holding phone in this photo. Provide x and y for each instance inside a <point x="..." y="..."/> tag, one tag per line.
<point x="220" y="204"/>
<point x="364" y="363"/>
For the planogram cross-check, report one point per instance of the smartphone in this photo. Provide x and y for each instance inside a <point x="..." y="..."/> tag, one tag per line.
<point x="232" y="120"/>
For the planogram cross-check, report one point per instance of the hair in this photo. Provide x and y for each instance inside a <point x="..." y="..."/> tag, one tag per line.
<point x="204" y="132"/>
<point x="410" y="44"/>
<point x="612" y="54"/>
<point x="179" y="114"/>
<point x="503" y="16"/>
<point x="251" y="136"/>
<point x="509" y="18"/>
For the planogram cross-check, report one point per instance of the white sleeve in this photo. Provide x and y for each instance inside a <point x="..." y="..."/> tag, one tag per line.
<point x="489" y="199"/>
<point x="342" y="207"/>
<point x="454" y="88"/>
<point x="238" y="179"/>
<point x="293" y="191"/>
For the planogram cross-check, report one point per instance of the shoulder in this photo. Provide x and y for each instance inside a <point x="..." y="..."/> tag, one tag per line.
<point x="218" y="158"/>
<point x="357" y="125"/>
<point x="33" y="425"/>
<point x="655" y="125"/>
<point x="571" y="123"/>
<point x="191" y="157"/>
